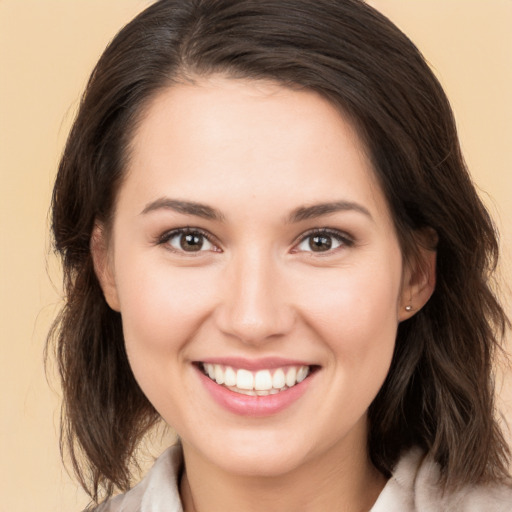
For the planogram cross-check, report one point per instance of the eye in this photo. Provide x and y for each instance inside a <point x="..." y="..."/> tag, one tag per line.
<point x="188" y="240"/>
<point x="323" y="240"/>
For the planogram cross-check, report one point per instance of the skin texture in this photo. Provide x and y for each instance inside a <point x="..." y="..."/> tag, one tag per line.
<point x="255" y="153"/>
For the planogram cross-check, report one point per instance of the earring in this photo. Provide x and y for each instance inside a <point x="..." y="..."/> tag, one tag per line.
<point x="408" y="308"/>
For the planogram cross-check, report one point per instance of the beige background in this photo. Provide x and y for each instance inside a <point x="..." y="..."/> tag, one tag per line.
<point x="48" y="47"/>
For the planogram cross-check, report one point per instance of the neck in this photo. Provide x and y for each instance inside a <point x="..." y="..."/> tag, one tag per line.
<point x="338" y="481"/>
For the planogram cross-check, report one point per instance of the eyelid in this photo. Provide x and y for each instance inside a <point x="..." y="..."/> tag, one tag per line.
<point x="342" y="236"/>
<point x="168" y="235"/>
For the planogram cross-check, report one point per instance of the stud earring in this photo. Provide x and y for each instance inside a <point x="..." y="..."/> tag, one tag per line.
<point x="408" y="308"/>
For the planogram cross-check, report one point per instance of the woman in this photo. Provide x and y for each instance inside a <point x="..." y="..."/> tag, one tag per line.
<point x="271" y="242"/>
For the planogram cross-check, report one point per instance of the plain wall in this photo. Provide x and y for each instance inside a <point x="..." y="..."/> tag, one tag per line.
<point x="47" y="50"/>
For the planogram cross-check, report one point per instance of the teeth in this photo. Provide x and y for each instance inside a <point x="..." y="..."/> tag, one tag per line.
<point x="210" y="370"/>
<point x="219" y="375"/>
<point x="278" y="380"/>
<point x="291" y="377"/>
<point x="260" y="383"/>
<point x="244" y="379"/>
<point x="302" y="373"/>
<point x="263" y="381"/>
<point x="230" y="376"/>
<point x="249" y="392"/>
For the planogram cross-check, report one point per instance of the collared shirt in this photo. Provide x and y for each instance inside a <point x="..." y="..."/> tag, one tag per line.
<point x="412" y="488"/>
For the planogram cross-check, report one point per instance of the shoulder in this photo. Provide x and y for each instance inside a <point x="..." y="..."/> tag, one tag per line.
<point x="414" y="487"/>
<point x="157" y="491"/>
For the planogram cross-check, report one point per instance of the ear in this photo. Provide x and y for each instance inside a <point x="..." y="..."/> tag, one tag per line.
<point x="419" y="278"/>
<point x="103" y="266"/>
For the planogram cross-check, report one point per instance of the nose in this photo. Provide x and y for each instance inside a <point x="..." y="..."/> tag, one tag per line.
<point x="254" y="305"/>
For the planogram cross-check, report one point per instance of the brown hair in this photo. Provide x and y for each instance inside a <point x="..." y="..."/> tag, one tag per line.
<point x="439" y="392"/>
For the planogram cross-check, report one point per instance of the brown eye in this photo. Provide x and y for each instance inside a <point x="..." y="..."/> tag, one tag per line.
<point x="323" y="240"/>
<point x="188" y="241"/>
<point x="319" y="243"/>
<point x="191" y="242"/>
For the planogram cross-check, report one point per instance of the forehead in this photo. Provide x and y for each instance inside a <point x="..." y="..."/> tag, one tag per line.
<point x="223" y="135"/>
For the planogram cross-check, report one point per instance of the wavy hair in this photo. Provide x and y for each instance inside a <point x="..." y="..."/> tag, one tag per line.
<point x="439" y="391"/>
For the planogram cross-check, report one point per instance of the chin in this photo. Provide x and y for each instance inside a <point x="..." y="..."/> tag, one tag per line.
<point x="261" y="463"/>
<point x="257" y="454"/>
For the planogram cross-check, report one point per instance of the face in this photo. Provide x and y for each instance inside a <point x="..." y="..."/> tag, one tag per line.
<point x="257" y="270"/>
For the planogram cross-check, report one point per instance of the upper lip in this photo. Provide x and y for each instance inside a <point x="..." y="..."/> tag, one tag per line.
<point x="264" y="363"/>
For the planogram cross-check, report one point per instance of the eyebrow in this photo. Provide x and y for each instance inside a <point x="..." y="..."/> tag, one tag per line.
<point x="299" y="214"/>
<point x="318" y="210"/>
<point x="187" y="207"/>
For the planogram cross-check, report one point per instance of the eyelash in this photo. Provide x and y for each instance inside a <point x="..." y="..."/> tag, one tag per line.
<point x="169" y="235"/>
<point x="344" y="239"/>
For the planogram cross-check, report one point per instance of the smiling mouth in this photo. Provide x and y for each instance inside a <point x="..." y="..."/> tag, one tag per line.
<point x="258" y="383"/>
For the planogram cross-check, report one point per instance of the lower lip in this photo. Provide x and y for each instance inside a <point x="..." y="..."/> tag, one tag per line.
<point x="247" y="405"/>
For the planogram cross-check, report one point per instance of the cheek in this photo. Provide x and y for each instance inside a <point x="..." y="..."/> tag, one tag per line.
<point x="354" y="303"/>
<point x="161" y="305"/>
<point x="162" y="309"/>
<point x="355" y="313"/>
<point x="360" y="325"/>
